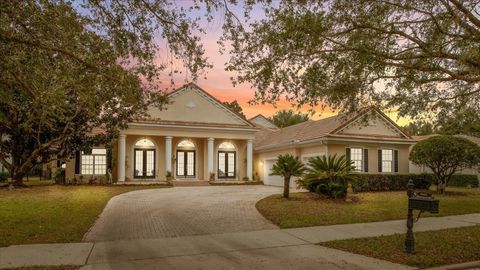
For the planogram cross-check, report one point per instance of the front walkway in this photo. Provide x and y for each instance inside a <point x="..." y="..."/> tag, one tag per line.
<point x="182" y="211"/>
<point x="266" y="249"/>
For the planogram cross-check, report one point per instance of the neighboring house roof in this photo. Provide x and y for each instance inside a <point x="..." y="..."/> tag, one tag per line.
<point x="261" y="121"/>
<point x="330" y="127"/>
<point x="470" y="138"/>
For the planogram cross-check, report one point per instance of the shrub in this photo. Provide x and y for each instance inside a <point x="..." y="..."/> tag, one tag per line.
<point x="327" y="175"/>
<point x="4" y="176"/>
<point x="464" y="180"/>
<point x="389" y="182"/>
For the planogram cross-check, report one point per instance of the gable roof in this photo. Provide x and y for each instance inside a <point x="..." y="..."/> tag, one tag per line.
<point x="256" y="120"/>
<point x="323" y="128"/>
<point x="212" y="100"/>
<point x="179" y="115"/>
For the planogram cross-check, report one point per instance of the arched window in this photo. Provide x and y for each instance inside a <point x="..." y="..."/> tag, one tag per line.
<point x="144" y="159"/>
<point x="228" y="146"/>
<point x="144" y="143"/>
<point x="186" y="144"/>
<point x="186" y="159"/>
<point x="227" y="160"/>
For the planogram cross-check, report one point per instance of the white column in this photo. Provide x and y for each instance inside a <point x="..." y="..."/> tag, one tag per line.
<point x="121" y="157"/>
<point x="168" y="154"/>
<point x="210" y="156"/>
<point x="250" y="159"/>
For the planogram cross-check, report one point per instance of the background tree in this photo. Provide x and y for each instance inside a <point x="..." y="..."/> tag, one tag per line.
<point x="287" y="166"/>
<point x="284" y="118"/>
<point x="465" y="122"/>
<point x="416" y="56"/>
<point x="421" y="127"/>
<point x="445" y="155"/>
<point x="234" y="106"/>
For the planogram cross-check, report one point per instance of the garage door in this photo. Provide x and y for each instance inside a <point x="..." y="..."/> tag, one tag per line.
<point x="273" y="180"/>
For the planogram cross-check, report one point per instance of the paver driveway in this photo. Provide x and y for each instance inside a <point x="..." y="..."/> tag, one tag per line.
<point x="181" y="211"/>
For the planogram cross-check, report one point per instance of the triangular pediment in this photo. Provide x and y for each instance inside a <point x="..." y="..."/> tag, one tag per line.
<point x="373" y="123"/>
<point x="190" y="103"/>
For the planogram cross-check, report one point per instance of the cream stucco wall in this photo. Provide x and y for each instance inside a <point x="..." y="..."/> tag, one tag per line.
<point x="376" y="126"/>
<point x="340" y="149"/>
<point x="191" y="105"/>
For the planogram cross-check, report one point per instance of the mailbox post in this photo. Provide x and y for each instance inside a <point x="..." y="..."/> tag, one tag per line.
<point x="423" y="202"/>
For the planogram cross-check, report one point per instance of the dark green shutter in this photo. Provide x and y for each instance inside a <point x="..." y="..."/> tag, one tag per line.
<point x="365" y="160"/>
<point x="379" y="160"/>
<point x="347" y="154"/>
<point x="395" y="160"/>
<point x="77" y="162"/>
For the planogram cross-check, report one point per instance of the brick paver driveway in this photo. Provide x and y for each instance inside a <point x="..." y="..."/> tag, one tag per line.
<point x="181" y="211"/>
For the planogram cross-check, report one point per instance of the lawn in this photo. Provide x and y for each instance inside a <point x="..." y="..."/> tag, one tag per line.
<point x="308" y="209"/>
<point x="433" y="248"/>
<point x="45" y="213"/>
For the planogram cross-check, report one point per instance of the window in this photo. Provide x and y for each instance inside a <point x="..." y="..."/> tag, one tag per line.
<point x="94" y="163"/>
<point x="226" y="160"/>
<point x="186" y="144"/>
<point x="356" y="156"/>
<point x="387" y="160"/>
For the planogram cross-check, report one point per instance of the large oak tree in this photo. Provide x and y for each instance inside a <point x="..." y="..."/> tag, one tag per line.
<point x="419" y="57"/>
<point x="69" y="69"/>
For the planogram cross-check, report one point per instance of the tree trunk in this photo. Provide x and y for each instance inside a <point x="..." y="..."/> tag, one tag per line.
<point x="441" y="187"/>
<point x="286" y="187"/>
<point x="17" y="178"/>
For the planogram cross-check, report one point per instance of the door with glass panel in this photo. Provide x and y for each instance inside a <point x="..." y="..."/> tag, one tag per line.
<point x="144" y="163"/>
<point x="226" y="164"/>
<point x="185" y="164"/>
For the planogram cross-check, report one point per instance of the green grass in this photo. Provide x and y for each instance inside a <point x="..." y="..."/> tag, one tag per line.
<point x="309" y="209"/>
<point x="48" y="213"/>
<point x="433" y="248"/>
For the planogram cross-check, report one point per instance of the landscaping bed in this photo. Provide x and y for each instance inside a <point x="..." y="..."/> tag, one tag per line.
<point x="309" y="209"/>
<point x="433" y="248"/>
<point x="52" y="213"/>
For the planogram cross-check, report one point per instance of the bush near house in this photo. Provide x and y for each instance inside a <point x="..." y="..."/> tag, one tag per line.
<point x="386" y="182"/>
<point x="4" y="176"/>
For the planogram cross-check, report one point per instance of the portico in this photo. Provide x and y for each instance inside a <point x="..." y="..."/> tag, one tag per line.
<point x="149" y="157"/>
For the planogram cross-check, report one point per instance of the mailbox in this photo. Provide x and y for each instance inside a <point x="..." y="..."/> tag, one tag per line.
<point x="423" y="203"/>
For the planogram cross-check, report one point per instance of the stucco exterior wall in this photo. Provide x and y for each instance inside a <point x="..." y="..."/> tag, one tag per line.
<point x="403" y="152"/>
<point x="192" y="106"/>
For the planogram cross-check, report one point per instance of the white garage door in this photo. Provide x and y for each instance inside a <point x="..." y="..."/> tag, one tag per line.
<point x="274" y="180"/>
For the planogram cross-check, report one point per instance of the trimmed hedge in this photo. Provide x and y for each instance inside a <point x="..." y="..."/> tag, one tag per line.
<point x="4" y="176"/>
<point x="386" y="182"/>
<point x="466" y="180"/>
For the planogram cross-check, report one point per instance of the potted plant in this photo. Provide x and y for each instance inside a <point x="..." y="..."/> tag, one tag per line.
<point x="212" y="176"/>
<point x="169" y="176"/>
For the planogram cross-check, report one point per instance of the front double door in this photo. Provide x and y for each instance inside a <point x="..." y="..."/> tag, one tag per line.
<point x="185" y="164"/>
<point x="144" y="163"/>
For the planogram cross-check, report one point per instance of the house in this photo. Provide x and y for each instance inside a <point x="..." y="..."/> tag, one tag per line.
<point x="263" y="122"/>
<point x="198" y="138"/>
<point x="369" y="138"/>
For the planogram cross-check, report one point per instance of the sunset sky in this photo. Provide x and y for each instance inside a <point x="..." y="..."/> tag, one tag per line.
<point x="218" y="83"/>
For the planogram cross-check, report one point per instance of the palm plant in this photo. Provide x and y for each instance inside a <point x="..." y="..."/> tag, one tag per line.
<point x="287" y="166"/>
<point x="328" y="174"/>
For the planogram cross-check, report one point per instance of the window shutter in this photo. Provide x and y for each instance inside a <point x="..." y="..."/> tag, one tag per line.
<point x="77" y="162"/>
<point x="347" y="154"/>
<point x="379" y="160"/>
<point x="365" y="160"/>
<point x="395" y="160"/>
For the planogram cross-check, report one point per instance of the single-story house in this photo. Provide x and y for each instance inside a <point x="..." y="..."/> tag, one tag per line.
<point x="197" y="138"/>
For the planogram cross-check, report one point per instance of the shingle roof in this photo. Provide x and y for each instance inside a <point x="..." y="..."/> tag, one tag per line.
<point x="311" y="130"/>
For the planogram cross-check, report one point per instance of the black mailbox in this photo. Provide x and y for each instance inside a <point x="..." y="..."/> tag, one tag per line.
<point x="423" y="203"/>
